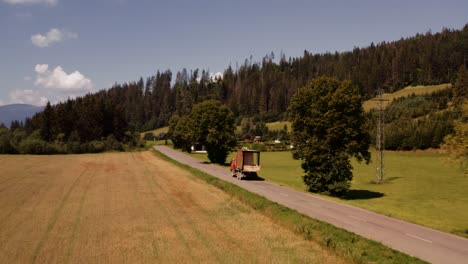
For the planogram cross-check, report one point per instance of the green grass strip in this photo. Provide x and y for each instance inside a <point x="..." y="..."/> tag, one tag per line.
<point x="348" y="245"/>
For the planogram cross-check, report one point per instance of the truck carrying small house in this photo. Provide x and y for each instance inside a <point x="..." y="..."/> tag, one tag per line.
<point x="246" y="164"/>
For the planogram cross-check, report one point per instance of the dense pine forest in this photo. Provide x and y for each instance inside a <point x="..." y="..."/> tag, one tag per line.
<point x="259" y="90"/>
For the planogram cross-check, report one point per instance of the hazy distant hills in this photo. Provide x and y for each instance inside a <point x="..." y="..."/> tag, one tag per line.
<point x="18" y="112"/>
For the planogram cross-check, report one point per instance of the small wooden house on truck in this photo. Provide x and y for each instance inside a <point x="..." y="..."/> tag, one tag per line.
<point x="245" y="164"/>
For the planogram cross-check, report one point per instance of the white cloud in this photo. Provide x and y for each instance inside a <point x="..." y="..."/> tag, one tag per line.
<point x="216" y="76"/>
<point x="20" y="2"/>
<point x="54" y="35"/>
<point x="59" y="80"/>
<point x="212" y="77"/>
<point x="54" y="85"/>
<point x="27" y="97"/>
<point x="41" y="68"/>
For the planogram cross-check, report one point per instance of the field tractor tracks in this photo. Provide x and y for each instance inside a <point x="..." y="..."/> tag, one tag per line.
<point x="78" y="216"/>
<point x="56" y="214"/>
<point x="206" y="224"/>
<point x="152" y="184"/>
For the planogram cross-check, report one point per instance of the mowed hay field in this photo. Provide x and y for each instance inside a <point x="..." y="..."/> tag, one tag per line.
<point x="132" y="208"/>
<point x="407" y="91"/>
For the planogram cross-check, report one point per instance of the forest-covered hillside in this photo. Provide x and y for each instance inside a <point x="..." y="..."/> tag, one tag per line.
<point x="253" y="89"/>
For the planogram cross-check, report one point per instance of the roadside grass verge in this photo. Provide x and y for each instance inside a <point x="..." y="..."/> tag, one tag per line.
<point x="350" y="246"/>
<point x="419" y="187"/>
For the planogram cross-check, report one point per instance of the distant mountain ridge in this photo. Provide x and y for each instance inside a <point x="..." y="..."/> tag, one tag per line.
<point x="18" y="112"/>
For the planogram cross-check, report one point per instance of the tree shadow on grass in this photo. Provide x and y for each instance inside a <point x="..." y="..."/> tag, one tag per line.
<point x="385" y="180"/>
<point x="390" y="179"/>
<point x="361" y="195"/>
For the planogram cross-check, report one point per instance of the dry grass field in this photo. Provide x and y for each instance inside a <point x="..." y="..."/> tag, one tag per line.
<point x="132" y="208"/>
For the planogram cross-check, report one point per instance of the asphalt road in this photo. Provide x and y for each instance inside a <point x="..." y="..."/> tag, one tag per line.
<point x="422" y="242"/>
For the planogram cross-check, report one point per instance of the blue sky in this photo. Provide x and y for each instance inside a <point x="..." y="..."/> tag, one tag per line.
<point x="55" y="49"/>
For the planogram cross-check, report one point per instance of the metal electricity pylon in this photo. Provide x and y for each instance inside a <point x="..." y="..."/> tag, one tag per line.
<point x="380" y="139"/>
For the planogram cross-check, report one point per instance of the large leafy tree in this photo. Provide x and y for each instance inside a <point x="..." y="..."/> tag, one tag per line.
<point x="181" y="132"/>
<point x="213" y="126"/>
<point x="327" y="130"/>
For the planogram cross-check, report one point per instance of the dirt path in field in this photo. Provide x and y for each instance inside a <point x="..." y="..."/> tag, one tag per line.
<point x="131" y="208"/>
<point x="425" y="243"/>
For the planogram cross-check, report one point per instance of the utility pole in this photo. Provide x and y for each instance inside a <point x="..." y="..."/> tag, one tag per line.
<point x="380" y="139"/>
